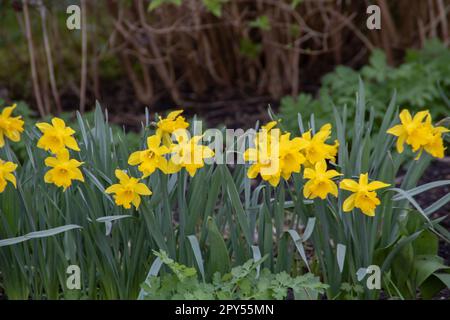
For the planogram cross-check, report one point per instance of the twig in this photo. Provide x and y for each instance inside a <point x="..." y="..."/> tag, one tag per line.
<point x="51" y="72"/>
<point x="83" y="56"/>
<point x="34" y="75"/>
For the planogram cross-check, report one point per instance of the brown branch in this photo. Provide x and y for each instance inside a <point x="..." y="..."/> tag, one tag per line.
<point x="83" y="56"/>
<point x="34" y="75"/>
<point x="51" y="72"/>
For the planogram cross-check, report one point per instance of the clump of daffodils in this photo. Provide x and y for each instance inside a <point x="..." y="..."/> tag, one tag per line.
<point x="274" y="157"/>
<point x="419" y="133"/>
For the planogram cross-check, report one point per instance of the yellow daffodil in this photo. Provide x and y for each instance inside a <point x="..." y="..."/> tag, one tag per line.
<point x="364" y="196"/>
<point x="128" y="191"/>
<point x="269" y="126"/>
<point x="10" y="127"/>
<point x="64" y="170"/>
<point x="314" y="147"/>
<point x="167" y="126"/>
<point x="413" y="131"/>
<point x="267" y="166"/>
<point x="435" y="143"/>
<point x="274" y="156"/>
<point x="419" y="133"/>
<point x="188" y="154"/>
<point x="265" y="155"/>
<point x="152" y="158"/>
<point x="291" y="159"/>
<point x="56" y="136"/>
<point x="320" y="183"/>
<point x="6" y="174"/>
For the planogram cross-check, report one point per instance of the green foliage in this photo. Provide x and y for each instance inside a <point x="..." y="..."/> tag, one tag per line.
<point x="295" y="3"/>
<point x="249" y="48"/>
<point x="215" y="6"/>
<point x="420" y="83"/>
<point x="261" y="22"/>
<point x="219" y="214"/>
<point x="154" y="4"/>
<point x="417" y="266"/>
<point x="244" y="282"/>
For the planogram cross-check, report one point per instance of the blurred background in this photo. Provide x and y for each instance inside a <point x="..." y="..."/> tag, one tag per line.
<point x="224" y="60"/>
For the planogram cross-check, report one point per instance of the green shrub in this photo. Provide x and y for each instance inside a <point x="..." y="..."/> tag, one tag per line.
<point x="421" y="82"/>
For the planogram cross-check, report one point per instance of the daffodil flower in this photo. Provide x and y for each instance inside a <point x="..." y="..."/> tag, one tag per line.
<point x="364" y="196"/>
<point x="64" y="170"/>
<point x="188" y="154"/>
<point x="413" y="131"/>
<point x="274" y="156"/>
<point x="320" y="182"/>
<point x="167" y="126"/>
<point x="10" y="127"/>
<point x="314" y="147"/>
<point x="6" y="174"/>
<point x="435" y="143"/>
<point x="151" y="158"/>
<point x="265" y="155"/>
<point x="419" y="133"/>
<point x="291" y="159"/>
<point x="56" y="136"/>
<point x="128" y="191"/>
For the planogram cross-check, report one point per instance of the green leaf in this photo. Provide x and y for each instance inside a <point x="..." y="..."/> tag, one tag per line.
<point x="262" y="22"/>
<point x="214" y="6"/>
<point x="425" y="266"/>
<point x="295" y="3"/>
<point x="154" y="4"/>
<point x="219" y="258"/>
<point x="39" y="234"/>
<point x="198" y="254"/>
<point x="340" y="255"/>
<point x="427" y="243"/>
<point x="249" y="48"/>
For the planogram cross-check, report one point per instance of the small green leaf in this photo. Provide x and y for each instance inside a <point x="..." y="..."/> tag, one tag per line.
<point x="262" y="22"/>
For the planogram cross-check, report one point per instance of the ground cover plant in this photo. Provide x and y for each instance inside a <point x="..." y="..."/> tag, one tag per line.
<point x="301" y="209"/>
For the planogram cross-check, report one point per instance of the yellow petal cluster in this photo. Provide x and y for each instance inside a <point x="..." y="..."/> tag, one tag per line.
<point x="314" y="147"/>
<point x="56" y="136"/>
<point x="151" y="158"/>
<point x="274" y="156"/>
<point x="188" y="153"/>
<point x="320" y="182"/>
<point x="128" y="191"/>
<point x="6" y="174"/>
<point x="167" y="126"/>
<point x="419" y="133"/>
<point x="364" y="196"/>
<point x="64" y="170"/>
<point x="10" y="127"/>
